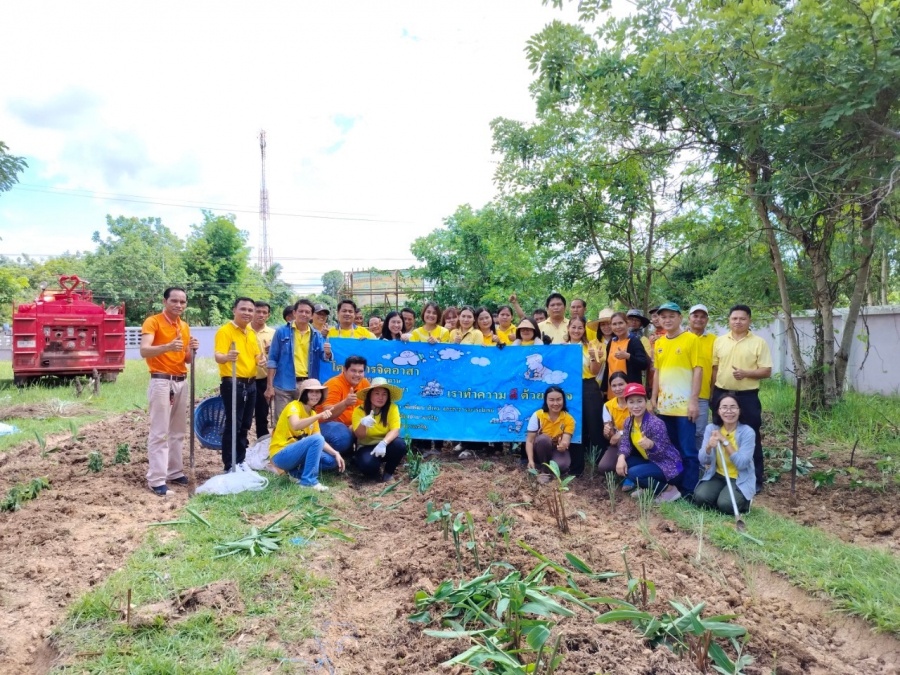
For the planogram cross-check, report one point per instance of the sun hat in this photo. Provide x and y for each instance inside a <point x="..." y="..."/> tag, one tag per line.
<point x="638" y="314"/>
<point x="670" y="306"/>
<point x="381" y="383"/>
<point x="528" y="323"/>
<point x="605" y="315"/>
<point x="634" y="389"/>
<point x="696" y="307"/>
<point x="311" y="383"/>
<point x="321" y="308"/>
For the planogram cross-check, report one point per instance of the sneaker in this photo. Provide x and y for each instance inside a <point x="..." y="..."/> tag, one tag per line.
<point x="182" y="480"/>
<point x="318" y="487"/>
<point x="160" y="490"/>
<point x="458" y="447"/>
<point x="636" y="493"/>
<point x="387" y="478"/>
<point x="431" y="453"/>
<point x="672" y="495"/>
<point x="466" y="454"/>
<point x="544" y="478"/>
<point x="628" y="485"/>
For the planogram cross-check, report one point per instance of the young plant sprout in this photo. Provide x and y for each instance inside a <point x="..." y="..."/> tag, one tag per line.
<point x="555" y="502"/>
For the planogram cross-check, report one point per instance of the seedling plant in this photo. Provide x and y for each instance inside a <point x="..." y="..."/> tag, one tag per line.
<point x="95" y="462"/>
<point x="123" y="454"/>
<point x="556" y="503"/>
<point x="443" y="517"/>
<point x="611" y="486"/>
<point x="23" y="492"/>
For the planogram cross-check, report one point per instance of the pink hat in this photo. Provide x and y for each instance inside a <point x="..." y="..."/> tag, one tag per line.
<point x="635" y="389"/>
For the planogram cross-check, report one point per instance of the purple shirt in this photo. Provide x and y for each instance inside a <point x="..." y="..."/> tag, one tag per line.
<point x="663" y="453"/>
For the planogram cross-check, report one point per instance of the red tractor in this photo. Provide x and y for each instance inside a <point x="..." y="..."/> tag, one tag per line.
<point x="65" y="333"/>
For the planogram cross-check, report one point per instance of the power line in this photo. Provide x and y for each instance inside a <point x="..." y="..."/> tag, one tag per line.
<point x="201" y="205"/>
<point x="215" y="257"/>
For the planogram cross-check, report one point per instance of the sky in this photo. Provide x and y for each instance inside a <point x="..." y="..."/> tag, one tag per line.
<point x="376" y="116"/>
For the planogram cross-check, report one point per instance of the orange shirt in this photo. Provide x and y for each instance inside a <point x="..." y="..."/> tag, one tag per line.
<point x="338" y="389"/>
<point x="614" y="364"/>
<point x="164" y="332"/>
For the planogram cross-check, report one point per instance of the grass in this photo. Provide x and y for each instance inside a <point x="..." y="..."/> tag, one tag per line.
<point x="278" y="592"/>
<point x="871" y="419"/>
<point x="864" y="582"/>
<point x="127" y="393"/>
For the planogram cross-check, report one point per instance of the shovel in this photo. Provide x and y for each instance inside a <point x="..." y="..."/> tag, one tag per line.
<point x="234" y="413"/>
<point x="738" y="523"/>
<point x="192" y="481"/>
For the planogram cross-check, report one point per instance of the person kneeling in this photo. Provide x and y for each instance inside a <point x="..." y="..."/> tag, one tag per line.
<point x="656" y="462"/>
<point x="550" y="432"/>
<point x="738" y="442"/>
<point x="376" y="425"/>
<point x="297" y="446"/>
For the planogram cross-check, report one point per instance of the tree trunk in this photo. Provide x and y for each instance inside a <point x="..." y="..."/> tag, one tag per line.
<point x="866" y="249"/>
<point x="884" y="276"/>
<point x="818" y="255"/>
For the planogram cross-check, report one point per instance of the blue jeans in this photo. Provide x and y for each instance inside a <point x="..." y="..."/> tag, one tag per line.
<point x="337" y="435"/>
<point x="327" y="462"/>
<point x="369" y="464"/>
<point x="301" y="459"/>
<point x="642" y="471"/>
<point x="682" y="432"/>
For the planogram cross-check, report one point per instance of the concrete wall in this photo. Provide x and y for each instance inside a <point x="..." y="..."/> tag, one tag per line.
<point x="866" y="373"/>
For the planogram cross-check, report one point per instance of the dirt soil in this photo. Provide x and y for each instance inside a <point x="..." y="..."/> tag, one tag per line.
<point x="861" y="516"/>
<point x="81" y="530"/>
<point x="364" y="627"/>
<point x="77" y="533"/>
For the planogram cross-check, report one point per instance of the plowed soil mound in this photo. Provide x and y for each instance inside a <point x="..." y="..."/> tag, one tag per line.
<point x="364" y="628"/>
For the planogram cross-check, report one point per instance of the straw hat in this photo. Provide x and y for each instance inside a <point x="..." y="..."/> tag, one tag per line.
<point x="381" y="383"/>
<point x="311" y="383"/>
<point x="605" y="316"/>
<point x="528" y="323"/>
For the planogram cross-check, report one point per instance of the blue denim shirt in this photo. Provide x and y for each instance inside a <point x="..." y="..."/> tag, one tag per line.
<point x="742" y="459"/>
<point x="281" y="356"/>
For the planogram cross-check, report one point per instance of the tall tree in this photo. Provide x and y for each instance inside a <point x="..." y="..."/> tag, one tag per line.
<point x="10" y="168"/>
<point x="332" y="282"/>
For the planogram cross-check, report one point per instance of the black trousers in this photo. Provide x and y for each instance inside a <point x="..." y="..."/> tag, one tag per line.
<point x="751" y="415"/>
<point x="246" y="403"/>
<point x="262" y="408"/>
<point x="591" y="425"/>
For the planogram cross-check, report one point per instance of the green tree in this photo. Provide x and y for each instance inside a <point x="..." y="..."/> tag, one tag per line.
<point x="134" y="265"/>
<point x="10" y="168"/>
<point x="268" y="287"/>
<point x="217" y="261"/>
<point x="332" y="282"/>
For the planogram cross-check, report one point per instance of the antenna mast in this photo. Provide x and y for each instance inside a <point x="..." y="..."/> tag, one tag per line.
<point x="264" y="253"/>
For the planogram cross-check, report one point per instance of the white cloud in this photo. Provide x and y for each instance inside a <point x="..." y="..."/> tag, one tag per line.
<point x="554" y="377"/>
<point x="450" y="354"/>
<point x="481" y="361"/>
<point x="406" y="358"/>
<point x="385" y="356"/>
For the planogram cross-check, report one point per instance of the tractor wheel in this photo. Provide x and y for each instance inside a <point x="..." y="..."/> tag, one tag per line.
<point x="108" y="377"/>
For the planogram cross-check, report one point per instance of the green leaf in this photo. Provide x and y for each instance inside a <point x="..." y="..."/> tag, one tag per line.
<point x="623" y="615"/>
<point x="537" y="637"/>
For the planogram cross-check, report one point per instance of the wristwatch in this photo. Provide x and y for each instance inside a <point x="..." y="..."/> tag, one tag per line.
<point x="726" y="443"/>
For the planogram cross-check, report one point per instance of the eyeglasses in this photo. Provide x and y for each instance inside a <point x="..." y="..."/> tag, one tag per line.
<point x="728" y="408"/>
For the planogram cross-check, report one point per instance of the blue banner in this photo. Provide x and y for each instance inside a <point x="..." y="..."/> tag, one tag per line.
<point x="464" y="392"/>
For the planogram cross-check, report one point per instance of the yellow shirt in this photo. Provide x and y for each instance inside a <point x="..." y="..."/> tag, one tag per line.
<point x="376" y="434"/>
<point x="637" y="436"/>
<point x="586" y="373"/>
<point x="705" y="344"/>
<point x="525" y="343"/>
<point x="301" y="351"/>
<point x="509" y="333"/>
<point x="591" y="333"/>
<point x="732" y="469"/>
<point x="748" y="353"/>
<point x="619" y="415"/>
<point x="541" y="423"/>
<point x="355" y="332"/>
<point x="247" y="346"/>
<point x="264" y="336"/>
<point x="488" y="340"/>
<point x="675" y="360"/>
<point x="439" y="333"/>
<point x="470" y="337"/>
<point x="284" y="435"/>
<point x="558" y="335"/>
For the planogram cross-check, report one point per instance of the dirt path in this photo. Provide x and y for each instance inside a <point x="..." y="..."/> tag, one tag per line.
<point x="74" y="535"/>
<point x="365" y="628"/>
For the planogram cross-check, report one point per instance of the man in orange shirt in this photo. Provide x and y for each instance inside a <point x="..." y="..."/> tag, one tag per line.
<point x="166" y="343"/>
<point x="341" y="400"/>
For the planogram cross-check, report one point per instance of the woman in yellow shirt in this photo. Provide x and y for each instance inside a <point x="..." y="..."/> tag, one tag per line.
<point x="615" y="412"/>
<point x="505" y="326"/>
<point x="738" y="442"/>
<point x="450" y="318"/>
<point x="466" y="334"/>
<point x="376" y="425"/>
<point x="484" y="323"/>
<point x="550" y="432"/>
<point x="297" y="446"/>
<point x="432" y="331"/>
<point x="528" y="334"/>
<point x="593" y="357"/>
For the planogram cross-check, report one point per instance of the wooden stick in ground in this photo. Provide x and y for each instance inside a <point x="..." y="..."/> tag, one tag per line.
<point x="128" y="607"/>
<point x="796" y="431"/>
<point x="192" y="479"/>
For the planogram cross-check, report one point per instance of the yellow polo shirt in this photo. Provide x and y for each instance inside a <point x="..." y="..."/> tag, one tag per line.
<point x="264" y="337"/>
<point x="247" y="346"/>
<point x="439" y="333"/>
<point x="284" y="434"/>
<point x="355" y="332"/>
<point x="705" y="344"/>
<point x="301" y="351"/>
<point x="732" y="469"/>
<point x="509" y="333"/>
<point x="376" y="434"/>
<point x="636" y="437"/>
<point x="557" y="334"/>
<point x="586" y="373"/>
<point x="675" y="360"/>
<point x="470" y="337"/>
<point x="748" y="353"/>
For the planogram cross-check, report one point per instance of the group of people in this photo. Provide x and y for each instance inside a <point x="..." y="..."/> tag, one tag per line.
<point x="659" y="408"/>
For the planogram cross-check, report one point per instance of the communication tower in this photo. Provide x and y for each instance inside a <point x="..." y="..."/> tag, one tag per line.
<point x="264" y="253"/>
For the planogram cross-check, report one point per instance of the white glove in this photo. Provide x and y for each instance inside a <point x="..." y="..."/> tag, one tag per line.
<point x="380" y="449"/>
<point x="405" y="337"/>
<point x="368" y="421"/>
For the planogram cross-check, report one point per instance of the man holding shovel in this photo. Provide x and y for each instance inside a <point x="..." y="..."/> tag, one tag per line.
<point x="166" y="344"/>
<point x="236" y="343"/>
